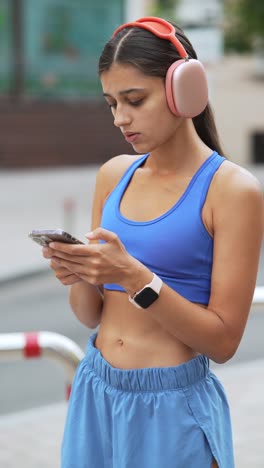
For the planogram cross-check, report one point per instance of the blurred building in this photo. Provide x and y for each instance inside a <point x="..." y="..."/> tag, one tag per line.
<point x="236" y="82"/>
<point x="51" y="109"/>
<point x="193" y="13"/>
<point x="202" y="23"/>
<point x="237" y="99"/>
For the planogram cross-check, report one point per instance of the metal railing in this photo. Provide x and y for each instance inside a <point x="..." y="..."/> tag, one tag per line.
<point x="258" y="298"/>
<point x="16" y="346"/>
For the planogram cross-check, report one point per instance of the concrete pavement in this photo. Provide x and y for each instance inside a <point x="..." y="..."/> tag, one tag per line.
<point x="62" y="198"/>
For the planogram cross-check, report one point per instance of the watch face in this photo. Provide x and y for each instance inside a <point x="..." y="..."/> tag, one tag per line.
<point x="146" y="297"/>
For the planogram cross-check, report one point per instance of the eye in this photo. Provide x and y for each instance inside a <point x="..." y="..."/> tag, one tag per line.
<point x="136" y="103"/>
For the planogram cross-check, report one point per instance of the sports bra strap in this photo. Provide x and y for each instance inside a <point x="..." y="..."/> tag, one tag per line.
<point x="214" y="164"/>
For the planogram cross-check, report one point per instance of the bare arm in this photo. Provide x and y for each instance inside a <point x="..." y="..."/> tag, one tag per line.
<point x="86" y="302"/>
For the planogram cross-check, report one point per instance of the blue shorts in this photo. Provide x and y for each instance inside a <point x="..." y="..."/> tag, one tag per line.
<point x="172" y="417"/>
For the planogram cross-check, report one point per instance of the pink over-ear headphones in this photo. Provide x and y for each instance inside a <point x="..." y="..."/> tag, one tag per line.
<point x="186" y="82"/>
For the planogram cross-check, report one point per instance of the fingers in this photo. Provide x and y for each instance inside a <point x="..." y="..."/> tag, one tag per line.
<point x="46" y="252"/>
<point x="95" y="263"/>
<point x="70" y="278"/>
<point x="69" y="249"/>
<point x="82" y="250"/>
<point x="54" y="262"/>
<point x="57" y="264"/>
<point x="101" y="234"/>
<point x="64" y="275"/>
<point x="59" y="253"/>
<point x="67" y="280"/>
<point x="70" y="252"/>
<point x="63" y="268"/>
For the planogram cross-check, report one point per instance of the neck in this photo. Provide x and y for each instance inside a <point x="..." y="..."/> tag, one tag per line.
<point x="184" y="150"/>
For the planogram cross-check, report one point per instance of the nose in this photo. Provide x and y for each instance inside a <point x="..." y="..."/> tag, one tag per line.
<point x="121" y="116"/>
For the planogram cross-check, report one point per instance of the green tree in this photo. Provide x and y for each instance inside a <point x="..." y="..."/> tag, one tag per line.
<point x="244" y="24"/>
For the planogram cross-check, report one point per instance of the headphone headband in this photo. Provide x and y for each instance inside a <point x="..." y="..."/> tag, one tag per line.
<point x="160" y="27"/>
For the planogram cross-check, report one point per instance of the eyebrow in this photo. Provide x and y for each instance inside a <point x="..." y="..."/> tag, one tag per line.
<point x="126" y="91"/>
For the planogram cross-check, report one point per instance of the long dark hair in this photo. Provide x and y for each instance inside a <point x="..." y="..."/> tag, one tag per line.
<point x="153" y="56"/>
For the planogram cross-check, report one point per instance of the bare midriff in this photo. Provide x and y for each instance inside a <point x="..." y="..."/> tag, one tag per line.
<point x="129" y="338"/>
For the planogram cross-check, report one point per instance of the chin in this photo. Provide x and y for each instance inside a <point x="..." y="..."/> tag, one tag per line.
<point x="143" y="148"/>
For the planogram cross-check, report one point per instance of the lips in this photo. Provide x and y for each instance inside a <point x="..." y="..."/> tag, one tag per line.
<point x="131" y="137"/>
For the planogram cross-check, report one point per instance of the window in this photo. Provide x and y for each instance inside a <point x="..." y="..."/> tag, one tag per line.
<point x="53" y="46"/>
<point x="258" y="147"/>
<point x="63" y="40"/>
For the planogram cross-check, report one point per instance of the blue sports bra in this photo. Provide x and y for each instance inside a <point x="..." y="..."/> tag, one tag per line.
<point x="176" y="246"/>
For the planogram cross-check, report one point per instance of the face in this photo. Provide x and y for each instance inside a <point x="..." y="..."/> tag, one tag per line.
<point x="139" y="107"/>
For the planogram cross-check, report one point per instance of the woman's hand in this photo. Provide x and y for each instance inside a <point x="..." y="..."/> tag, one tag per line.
<point x="99" y="263"/>
<point x="65" y="276"/>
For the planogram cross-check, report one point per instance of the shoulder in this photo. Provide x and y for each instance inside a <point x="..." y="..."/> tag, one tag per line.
<point x="232" y="180"/>
<point x="112" y="171"/>
<point x="236" y="194"/>
<point x="107" y="178"/>
<point x="116" y="166"/>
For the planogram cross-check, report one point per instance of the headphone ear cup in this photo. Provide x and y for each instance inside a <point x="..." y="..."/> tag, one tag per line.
<point x="186" y="88"/>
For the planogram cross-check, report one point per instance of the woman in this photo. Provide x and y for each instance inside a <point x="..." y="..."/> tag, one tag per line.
<point x="175" y="242"/>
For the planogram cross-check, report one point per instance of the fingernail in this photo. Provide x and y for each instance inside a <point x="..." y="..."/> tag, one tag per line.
<point x="55" y="260"/>
<point x="90" y="235"/>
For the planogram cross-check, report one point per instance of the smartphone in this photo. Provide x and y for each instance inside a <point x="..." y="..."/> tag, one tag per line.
<point x="45" y="236"/>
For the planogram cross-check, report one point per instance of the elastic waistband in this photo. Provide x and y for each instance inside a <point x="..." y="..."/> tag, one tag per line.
<point x="147" y="379"/>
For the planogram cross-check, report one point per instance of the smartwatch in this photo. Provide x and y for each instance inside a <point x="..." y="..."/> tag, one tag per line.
<point x="147" y="295"/>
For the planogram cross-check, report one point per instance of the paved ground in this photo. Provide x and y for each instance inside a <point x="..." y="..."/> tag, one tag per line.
<point x="36" y="199"/>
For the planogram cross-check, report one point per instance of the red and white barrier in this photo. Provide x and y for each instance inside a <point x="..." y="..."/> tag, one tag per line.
<point x="15" y="346"/>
